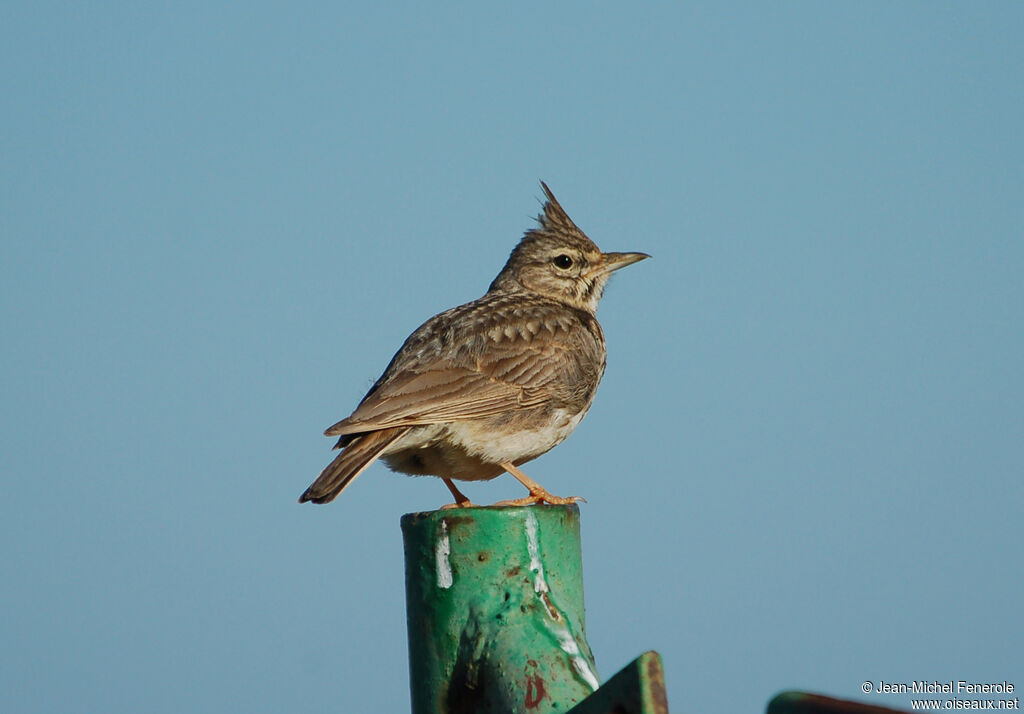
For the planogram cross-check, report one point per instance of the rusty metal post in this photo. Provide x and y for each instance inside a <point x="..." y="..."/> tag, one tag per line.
<point x="495" y="611"/>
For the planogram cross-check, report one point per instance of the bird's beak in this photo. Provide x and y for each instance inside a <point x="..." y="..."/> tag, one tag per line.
<point x="614" y="261"/>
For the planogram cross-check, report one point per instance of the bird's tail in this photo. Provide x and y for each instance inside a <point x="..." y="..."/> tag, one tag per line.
<point x="357" y="455"/>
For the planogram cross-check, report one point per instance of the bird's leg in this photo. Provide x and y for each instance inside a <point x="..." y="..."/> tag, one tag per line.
<point x="538" y="494"/>
<point x="461" y="500"/>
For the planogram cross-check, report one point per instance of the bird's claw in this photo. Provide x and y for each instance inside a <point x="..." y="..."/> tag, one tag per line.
<point x="459" y="504"/>
<point x="536" y="499"/>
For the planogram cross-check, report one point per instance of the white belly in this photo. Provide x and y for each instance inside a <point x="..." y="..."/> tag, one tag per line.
<point x="472" y="450"/>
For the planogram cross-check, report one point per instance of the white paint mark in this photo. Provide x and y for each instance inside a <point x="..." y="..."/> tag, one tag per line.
<point x="579" y="663"/>
<point x="557" y="621"/>
<point x="540" y="585"/>
<point x="441" y="553"/>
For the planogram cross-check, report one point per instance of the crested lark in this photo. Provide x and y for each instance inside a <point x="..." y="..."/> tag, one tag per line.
<point x="494" y="383"/>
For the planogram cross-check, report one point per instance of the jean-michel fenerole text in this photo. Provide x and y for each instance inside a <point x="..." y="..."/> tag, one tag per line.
<point x="950" y="687"/>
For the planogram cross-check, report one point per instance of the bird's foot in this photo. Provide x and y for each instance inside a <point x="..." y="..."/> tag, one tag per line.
<point x="461" y="499"/>
<point x="459" y="504"/>
<point x="542" y="497"/>
<point x="538" y="494"/>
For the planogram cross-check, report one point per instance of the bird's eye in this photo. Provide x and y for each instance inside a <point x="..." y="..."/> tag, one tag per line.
<point x="563" y="261"/>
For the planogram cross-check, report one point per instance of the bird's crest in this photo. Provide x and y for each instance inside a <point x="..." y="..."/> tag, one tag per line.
<point x="555" y="221"/>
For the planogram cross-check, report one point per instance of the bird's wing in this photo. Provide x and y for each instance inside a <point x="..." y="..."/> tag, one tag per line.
<point x="444" y="393"/>
<point x="514" y="368"/>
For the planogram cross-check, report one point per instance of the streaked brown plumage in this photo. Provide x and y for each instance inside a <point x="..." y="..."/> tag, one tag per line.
<point x="489" y="385"/>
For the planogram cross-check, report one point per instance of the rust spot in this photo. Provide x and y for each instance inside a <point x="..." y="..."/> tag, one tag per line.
<point x="512" y="572"/>
<point x="535" y="691"/>
<point x="453" y="522"/>
<point x="553" y="612"/>
<point x="656" y="685"/>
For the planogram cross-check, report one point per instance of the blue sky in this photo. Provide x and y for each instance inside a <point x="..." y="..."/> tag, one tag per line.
<point x="803" y="467"/>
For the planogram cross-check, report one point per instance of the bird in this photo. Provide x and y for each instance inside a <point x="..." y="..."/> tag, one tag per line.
<point x="480" y="389"/>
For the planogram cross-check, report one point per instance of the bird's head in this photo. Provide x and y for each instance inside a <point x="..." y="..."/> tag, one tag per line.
<point x="558" y="261"/>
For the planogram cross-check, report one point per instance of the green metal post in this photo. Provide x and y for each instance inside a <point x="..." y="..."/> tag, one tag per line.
<point x="495" y="611"/>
